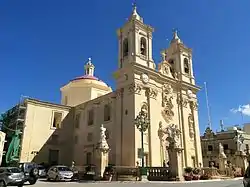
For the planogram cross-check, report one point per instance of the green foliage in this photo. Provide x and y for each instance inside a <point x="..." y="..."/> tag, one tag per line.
<point x="188" y="169"/>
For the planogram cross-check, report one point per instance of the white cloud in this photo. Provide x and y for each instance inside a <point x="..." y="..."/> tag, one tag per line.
<point x="244" y="109"/>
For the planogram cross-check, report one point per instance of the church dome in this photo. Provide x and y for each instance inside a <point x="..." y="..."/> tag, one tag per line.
<point x="89" y="78"/>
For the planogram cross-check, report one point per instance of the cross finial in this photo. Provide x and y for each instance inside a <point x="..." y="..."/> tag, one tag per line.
<point x="175" y="32"/>
<point x="134" y="5"/>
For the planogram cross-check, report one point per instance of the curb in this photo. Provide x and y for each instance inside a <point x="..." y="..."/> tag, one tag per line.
<point x="166" y="182"/>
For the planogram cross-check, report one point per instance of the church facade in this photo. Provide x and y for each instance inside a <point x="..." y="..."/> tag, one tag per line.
<point x="166" y="93"/>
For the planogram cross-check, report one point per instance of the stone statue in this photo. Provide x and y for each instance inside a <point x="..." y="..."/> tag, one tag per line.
<point x="173" y="136"/>
<point x="163" y="56"/>
<point x="221" y="151"/>
<point x="103" y="145"/>
<point x="160" y="131"/>
<point x="239" y="140"/>
<point x="102" y="133"/>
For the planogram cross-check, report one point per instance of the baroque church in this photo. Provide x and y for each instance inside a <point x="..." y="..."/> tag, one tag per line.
<point x="66" y="132"/>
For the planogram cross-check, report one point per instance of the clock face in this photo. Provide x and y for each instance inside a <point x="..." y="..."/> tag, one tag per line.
<point x="144" y="78"/>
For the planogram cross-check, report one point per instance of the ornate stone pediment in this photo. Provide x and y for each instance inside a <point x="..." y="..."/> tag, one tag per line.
<point x="209" y="133"/>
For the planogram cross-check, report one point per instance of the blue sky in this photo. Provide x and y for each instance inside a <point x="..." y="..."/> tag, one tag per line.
<point x="44" y="44"/>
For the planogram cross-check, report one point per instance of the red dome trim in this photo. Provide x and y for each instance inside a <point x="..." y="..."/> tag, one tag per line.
<point x="86" y="77"/>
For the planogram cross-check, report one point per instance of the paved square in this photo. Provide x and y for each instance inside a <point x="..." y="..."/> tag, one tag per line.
<point x="227" y="183"/>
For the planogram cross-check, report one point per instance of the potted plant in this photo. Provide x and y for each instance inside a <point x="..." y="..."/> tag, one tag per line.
<point x="205" y="176"/>
<point x="196" y="174"/>
<point x="188" y="173"/>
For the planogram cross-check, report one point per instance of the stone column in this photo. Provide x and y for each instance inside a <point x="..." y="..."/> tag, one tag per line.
<point x="175" y="152"/>
<point x="175" y="159"/>
<point x="102" y="153"/>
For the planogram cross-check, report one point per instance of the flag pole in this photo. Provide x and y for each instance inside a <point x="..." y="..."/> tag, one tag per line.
<point x="208" y="108"/>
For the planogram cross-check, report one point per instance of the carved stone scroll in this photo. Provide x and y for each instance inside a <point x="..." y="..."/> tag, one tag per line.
<point x="135" y="88"/>
<point x="167" y="104"/>
<point x="191" y="126"/>
<point x="151" y="92"/>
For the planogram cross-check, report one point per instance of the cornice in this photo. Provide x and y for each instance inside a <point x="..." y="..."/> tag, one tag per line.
<point x="85" y="85"/>
<point x="45" y="103"/>
<point x="162" y="78"/>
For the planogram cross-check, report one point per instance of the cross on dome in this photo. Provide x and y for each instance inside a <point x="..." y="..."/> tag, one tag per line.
<point x="135" y="15"/>
<point x="134" y="8"/>
<point x="89" y="68"/>
<point x="175" y="36"/>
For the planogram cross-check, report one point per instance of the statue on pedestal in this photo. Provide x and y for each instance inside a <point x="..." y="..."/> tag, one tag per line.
<point x="239" y="142"/>
<point x="174" y="151"/>
<point x="222" y="157"/>
<point x="161" y="135"/>
<point x="221" y="151"/>
<point x="102" y="153"/>
<point x="102" y="144"/>
<point x="173" y="136"/>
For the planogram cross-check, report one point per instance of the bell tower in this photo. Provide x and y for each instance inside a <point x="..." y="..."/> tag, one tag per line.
<point x="135" y="42"/>
<point x="179" y="58"/>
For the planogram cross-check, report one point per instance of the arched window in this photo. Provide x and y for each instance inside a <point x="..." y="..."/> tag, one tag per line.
<point x="143" y="46"/>
<point x="186" y="66"/>
<point x="171" y="62"/>
<point x="107" y="112"/>
<point x="125" y="47"/>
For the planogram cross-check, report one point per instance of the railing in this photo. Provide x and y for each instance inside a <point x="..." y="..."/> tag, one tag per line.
<point x="159" y="173"/>
<point x="125" y="173"/>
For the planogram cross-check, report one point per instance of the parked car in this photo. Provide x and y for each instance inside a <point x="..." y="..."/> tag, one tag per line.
<point x="42" y="171"/>
<point x="11" y="176"/>
<point x="31" y="172"/>
<point x="246" y="179"/>
<point x="60" y="173"/>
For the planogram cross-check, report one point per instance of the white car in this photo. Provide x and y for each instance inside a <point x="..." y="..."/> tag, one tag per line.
<point x="42" y="171"/>
<point x="60" y="173"/>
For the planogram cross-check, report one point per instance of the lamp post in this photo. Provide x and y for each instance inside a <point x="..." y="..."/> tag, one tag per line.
<point x="142" y="123"/>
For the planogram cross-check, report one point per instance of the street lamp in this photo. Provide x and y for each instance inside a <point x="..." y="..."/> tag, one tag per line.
<point x="142" y="123"/>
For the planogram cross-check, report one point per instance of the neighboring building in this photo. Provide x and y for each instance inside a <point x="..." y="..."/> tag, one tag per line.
<point x="39" y="129"/>
<point x="228" y="138"/>
<point x="168" y="94"/>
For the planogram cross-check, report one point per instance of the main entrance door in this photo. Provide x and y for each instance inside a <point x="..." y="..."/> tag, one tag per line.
<point x="53" y="157"/>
